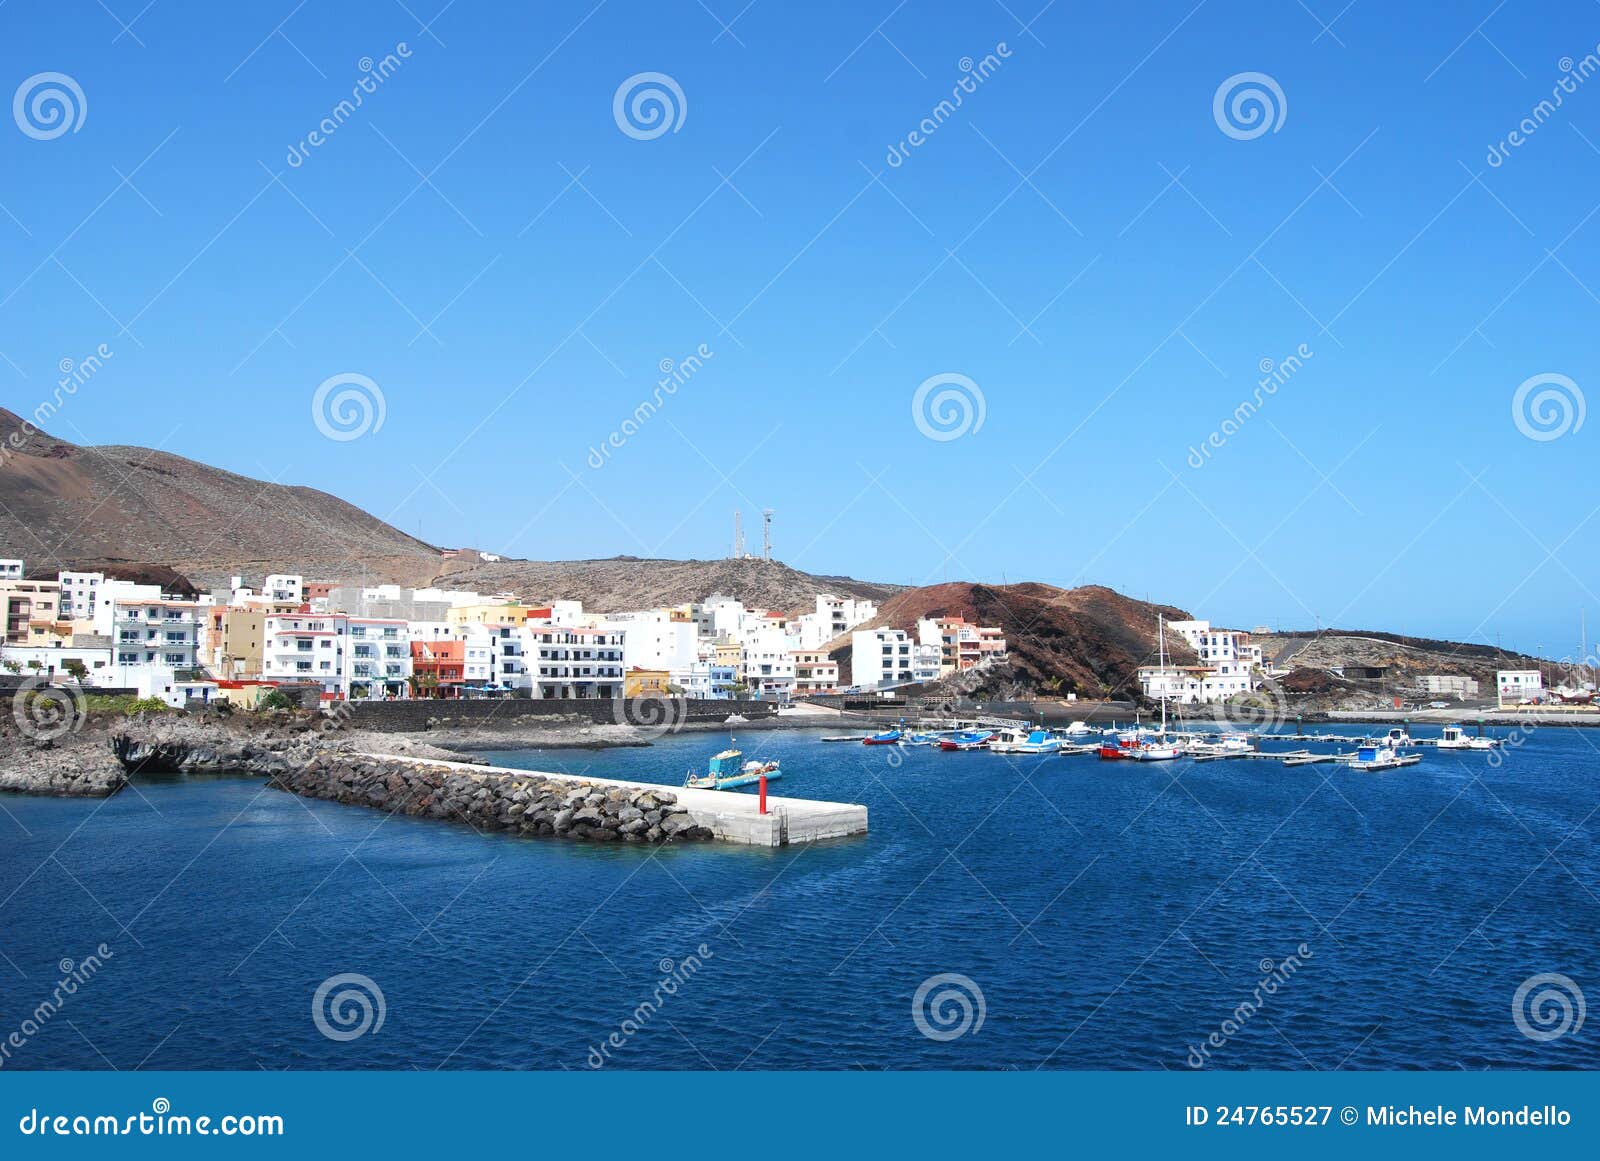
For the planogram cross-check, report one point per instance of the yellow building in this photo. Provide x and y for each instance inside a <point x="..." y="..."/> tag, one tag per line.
<point x="502" y="613"/>
<point x="645" y="683"/>
<point x="730" y="653"/>
<point x="32" y="609"/>
<point x="238" y="640"/>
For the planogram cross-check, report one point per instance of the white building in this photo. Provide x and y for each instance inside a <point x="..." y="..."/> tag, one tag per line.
<point x="833" y="618"/>
<point x="146" y="628"/>
<point x="1519" y="685"/>
<point x="705" y="679"/>
<point x="11" y="569"/>
<point x="768" y="662"/>
<point x="80" y="594"/>
<point x="350" y="657"/>
<point x="653" y="638"/>
<point x="880" y="657"/>
<point x="51" y="661"/>
<point x="567" y="661"/>
<point x="284" y="588"/>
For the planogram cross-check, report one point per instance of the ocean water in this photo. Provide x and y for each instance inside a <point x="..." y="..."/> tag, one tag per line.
<point x="1071" y="914"/>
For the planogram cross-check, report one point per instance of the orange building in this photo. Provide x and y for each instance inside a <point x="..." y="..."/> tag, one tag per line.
<point x="439" y="667"/>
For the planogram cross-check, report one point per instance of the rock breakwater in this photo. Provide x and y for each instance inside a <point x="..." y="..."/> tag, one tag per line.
<point x="532" y="805"/>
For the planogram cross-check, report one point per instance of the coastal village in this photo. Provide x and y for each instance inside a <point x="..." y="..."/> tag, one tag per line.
<point x="153" y="635"/>
<point x="386" y="643"/>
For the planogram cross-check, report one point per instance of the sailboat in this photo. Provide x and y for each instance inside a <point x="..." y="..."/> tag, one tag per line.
<point x="1159" y="748"/>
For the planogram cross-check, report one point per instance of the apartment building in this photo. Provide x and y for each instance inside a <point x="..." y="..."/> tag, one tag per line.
<point x="80" y="593"/>
<point x="568" y="661"/>
<point x="32" y="611"/>
<point x="814" y="672"/>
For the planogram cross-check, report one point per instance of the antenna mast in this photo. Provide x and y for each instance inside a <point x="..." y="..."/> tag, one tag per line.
<point x="766" y="534"/>
<point x="738" y="536"/>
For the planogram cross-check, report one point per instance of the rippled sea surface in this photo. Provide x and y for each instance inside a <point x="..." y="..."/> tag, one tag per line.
<point x="1109" y="915"/>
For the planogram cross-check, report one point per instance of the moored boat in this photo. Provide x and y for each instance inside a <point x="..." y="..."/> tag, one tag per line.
<point x="886" y="738"/>
<point x="1455" y="738"/>
<point x="728" y="771"/>
<point x="966" y="740"/>
<point x="1014" y="741"/>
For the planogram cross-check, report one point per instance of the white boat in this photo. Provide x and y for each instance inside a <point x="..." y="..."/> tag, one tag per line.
<point x="1455" y="738"/>
<point x="1077" y="730"/>
<point x="1398" y="737"/>
<point x="1014" y="741"/>
<point x="1159" y="747"/>
<point x="1381" y="757"/>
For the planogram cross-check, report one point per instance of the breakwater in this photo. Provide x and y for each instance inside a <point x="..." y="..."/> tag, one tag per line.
<point x="531" y="804"/>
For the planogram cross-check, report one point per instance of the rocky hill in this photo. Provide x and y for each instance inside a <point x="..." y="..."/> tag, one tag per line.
<point x="133" y="511"/>
<point x="630" y="582"/>
<point x="62" y="504"/>
<point x="1089" y="640"/>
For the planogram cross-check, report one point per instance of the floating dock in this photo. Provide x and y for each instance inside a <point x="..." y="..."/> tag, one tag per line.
<point x="731" y="817"/>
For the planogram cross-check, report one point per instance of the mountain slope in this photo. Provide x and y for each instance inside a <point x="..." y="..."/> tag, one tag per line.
<point x="61" y="503"/>
<point x="1091" y="639"/>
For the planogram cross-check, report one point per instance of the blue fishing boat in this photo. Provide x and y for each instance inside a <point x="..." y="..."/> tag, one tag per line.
<point x="887" y="738"/>
<point x="728" y="771"/>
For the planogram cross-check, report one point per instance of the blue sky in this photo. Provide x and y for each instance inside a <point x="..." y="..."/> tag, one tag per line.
<point x="1080" y="239"/>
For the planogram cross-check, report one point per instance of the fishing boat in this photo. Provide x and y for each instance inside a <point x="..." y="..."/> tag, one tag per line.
<point x="728" y="771"/>
<point x="1014" y="741"/>
<point x="966" y="740"/>
<point x="1077" y="730"/>
<point x="1111" y="751"/>
<point x="886" y="738"/>
<point x="929" y="739"/>
<point x="1381" y="757"/>
<point x="1455" y="738"/>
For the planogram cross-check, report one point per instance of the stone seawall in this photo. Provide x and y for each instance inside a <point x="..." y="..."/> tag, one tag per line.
<point x="449" y="713"/>
<point x="501" y="801"/>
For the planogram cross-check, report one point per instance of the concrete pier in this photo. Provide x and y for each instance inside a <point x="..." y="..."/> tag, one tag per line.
<point x="731" y="817"/>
